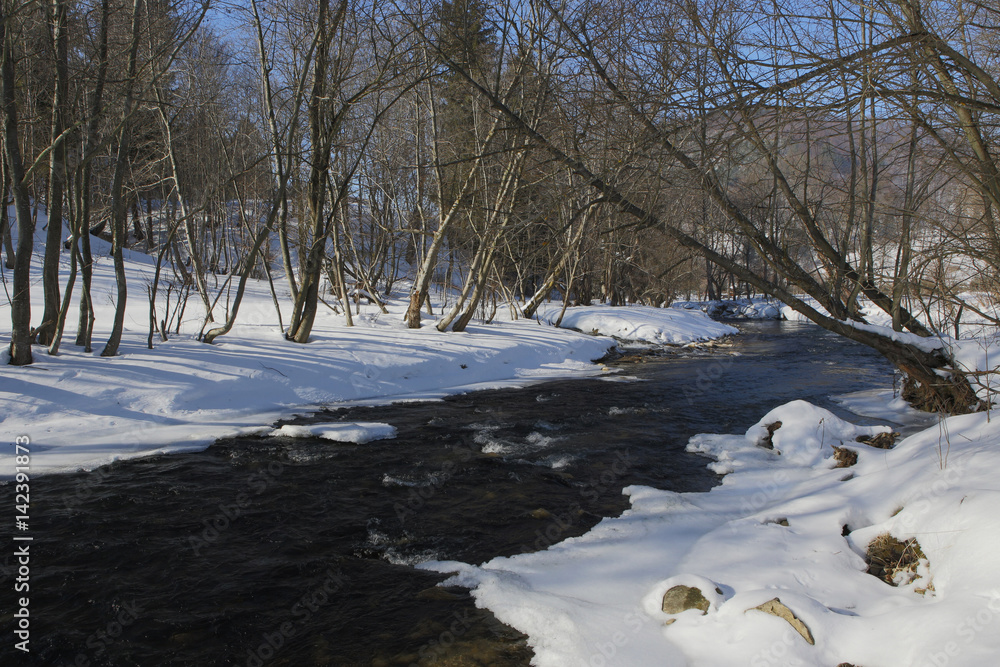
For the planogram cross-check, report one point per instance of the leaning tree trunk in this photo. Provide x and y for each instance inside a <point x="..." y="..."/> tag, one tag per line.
<point x="479" y="265"/>
<point x="950" y="392"/>
<point x="421" y="285"/>
<point x="194" y="252"/>
<point x="481" y="284"/>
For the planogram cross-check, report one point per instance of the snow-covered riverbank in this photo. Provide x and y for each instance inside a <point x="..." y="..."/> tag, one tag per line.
<point x="786" y="524"/>
<point x="80" y="410"/>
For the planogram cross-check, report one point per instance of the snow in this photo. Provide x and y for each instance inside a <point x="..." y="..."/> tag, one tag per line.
<point x="784" y="522"/>
<point x="885" y="405"/>
<point x="924" y="343"/>
<point x="595" y="599"/>
<point x="755" y="308"/>
<point x="356" y="432"/>
<point x="977" y="353"/>
<point x="805" y="433"/>
<point x="866" y="308"/>
<point x="81" y="411"/>
<point x="878" y="322"/>
<point x="664" y="326"/>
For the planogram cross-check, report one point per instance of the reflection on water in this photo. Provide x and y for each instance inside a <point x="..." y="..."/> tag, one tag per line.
<point x="286" y="551"/>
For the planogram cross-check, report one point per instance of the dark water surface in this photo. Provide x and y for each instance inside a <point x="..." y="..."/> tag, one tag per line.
<point x="283" y="551"/>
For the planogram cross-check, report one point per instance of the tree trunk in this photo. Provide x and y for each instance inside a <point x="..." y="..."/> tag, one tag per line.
<point x="85" y="324"/>
<point x="322" y="127"/>
<point x="72" y="203"/>
<point x="193" y="252"/>
<point x="477" y="266"/>
<point x="119" y="211"/>
<point x="57" y="174"/>
<point x="481" y="282"/>
<point x="20" y="312"/>
<point x="5" y="235"/>
<point x="323" y="193"/>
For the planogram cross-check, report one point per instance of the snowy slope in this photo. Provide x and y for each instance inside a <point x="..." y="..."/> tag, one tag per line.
<point x="665" y="326"/>
<point x="81" y="410"/>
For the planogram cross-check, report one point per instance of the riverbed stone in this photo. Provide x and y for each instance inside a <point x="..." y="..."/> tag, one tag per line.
<point x="885" y="440"/>
<point x="775" y="607"/>
<point x="681" y="598"/>
<point x="844" y="457"/>
<point x="767" y="442"/>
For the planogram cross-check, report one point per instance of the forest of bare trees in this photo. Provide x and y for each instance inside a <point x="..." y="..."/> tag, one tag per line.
<point x="828" y="153"/>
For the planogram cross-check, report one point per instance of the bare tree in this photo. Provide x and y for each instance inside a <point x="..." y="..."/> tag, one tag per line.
<point x="631" y="90"/>
<point x="56" y="13"/>
<point x="347" y="102"/>
<point x="21" y="334"/>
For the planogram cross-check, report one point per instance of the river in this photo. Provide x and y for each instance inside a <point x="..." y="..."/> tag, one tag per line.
<point x="283" y="551"/>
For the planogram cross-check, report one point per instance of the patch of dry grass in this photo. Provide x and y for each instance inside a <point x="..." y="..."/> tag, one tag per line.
<point x="895" y="562"/>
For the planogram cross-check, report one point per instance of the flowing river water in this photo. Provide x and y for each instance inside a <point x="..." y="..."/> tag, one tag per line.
<point x="278" y="551"/>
